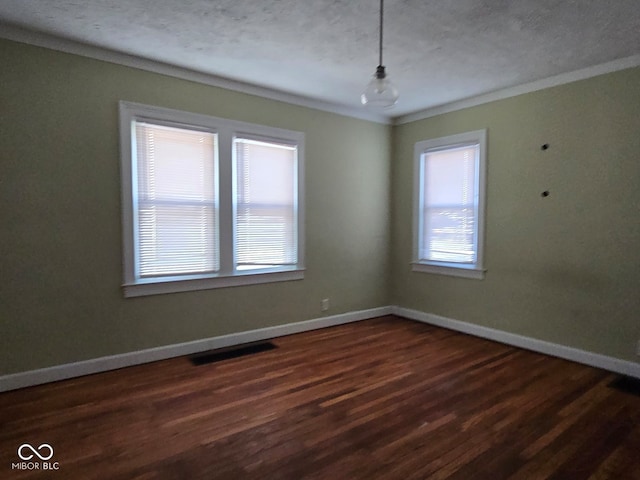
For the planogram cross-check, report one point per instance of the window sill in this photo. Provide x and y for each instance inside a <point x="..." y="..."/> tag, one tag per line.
<point x="177" y="284"/>
<point x="449" y="269"/>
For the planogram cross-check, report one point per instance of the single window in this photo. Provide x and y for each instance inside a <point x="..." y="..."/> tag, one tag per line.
<point x="208" y="202"/>
<point x="449" y="205"/>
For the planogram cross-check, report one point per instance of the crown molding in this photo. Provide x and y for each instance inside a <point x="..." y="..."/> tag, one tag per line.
<point x="39" y="39"/>
<point x="562" y="79"/>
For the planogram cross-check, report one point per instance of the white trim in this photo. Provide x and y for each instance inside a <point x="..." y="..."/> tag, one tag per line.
<point x="451" y="270"/>
<point x="557" y="80"/>
<point x="113" y="362"/>
<point x="225" y="131"/>
<point x="475" y="270"/>
<point x="237" y="280"/>
<point x="605" y="362"/>
<point x="39" y="39"/>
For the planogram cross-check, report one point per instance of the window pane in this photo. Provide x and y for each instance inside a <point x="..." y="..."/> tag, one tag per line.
<point x="176" y="204"/>
<point x="450" y="205"/>
<point x="265" y="204"/>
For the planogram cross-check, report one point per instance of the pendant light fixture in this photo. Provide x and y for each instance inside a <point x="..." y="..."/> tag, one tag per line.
<point x="380" y="92"/>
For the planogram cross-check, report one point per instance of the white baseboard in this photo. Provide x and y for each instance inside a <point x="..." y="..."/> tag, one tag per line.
<point x="113" y="362"/>
<point x="580" y="356"/>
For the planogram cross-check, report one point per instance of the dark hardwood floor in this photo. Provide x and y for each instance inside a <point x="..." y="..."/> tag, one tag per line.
<point x="380" y="399"/>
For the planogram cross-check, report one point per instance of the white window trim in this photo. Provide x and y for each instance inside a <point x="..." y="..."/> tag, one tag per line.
<point x="465" y="270"/>
<point x="226" y="130"/>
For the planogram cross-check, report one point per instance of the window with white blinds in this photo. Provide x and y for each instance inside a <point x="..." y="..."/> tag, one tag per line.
<point x="208" y="202"/>
<point x="450" y="203"/>
<point x="176" y="200"/>
<point x="265" y="204"/>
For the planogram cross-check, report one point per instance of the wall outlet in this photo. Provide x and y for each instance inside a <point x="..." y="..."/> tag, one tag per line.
<point x="324" y="305"/>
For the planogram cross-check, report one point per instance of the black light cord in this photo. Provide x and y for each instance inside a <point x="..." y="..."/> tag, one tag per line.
<point x="381" y="16"/>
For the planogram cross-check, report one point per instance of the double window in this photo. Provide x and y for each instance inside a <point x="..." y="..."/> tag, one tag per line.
<point x="449" y="197"/>
<point x="208" y="202"/>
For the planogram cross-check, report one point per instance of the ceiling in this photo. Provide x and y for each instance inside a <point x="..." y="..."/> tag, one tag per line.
<point x="435" y="51"/>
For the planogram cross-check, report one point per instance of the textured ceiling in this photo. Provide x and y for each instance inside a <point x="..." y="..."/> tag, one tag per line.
<point x="436" y="51"/>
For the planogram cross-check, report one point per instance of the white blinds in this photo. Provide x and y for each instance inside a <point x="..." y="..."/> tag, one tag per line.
<point x="265" y="204"/>
<point x="450" y="204"/>
<point x="176" y="201"/>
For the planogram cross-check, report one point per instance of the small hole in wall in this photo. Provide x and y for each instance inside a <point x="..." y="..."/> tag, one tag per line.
<point x="545" y="193"/>
<point x="544" y="147"/>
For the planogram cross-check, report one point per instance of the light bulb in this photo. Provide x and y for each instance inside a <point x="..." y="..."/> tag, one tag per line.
<point x="380" y="92"/>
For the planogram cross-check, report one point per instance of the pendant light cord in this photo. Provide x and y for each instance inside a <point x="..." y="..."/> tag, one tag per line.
<point x="381" y="16"/>
<point x="380" y="92"/>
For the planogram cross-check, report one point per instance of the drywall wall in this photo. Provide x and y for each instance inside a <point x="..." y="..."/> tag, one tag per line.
<point x="563" y="268"/>
<point x="60" y="242"/>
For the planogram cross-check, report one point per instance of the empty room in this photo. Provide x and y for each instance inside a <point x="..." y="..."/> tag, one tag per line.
<point x="357" y="239"/>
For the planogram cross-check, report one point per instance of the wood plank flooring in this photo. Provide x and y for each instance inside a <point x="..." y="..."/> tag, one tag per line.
<point x="385" y="398"/>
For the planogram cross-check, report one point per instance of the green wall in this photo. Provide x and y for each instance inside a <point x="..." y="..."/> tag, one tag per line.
<point x="60" y="243"/>
<point x="565" y="268"/>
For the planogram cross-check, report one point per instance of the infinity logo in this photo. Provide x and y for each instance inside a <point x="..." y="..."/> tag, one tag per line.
<point x="29" y="456"/>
